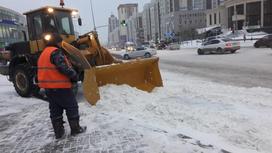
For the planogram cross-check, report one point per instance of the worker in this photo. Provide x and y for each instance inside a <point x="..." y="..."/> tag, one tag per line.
<point x="56" y="75"/>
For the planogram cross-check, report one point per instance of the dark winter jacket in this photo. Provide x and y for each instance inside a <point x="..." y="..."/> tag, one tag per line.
<point x="58" y="59"/>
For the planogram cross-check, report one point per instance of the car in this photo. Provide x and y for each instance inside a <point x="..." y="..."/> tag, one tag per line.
<point x="265" y="41"/>
<point x="115" y="48"/>
<point x="173" y="46"/>
<point x="130" y="46"/>
<point x="139" y="53"/>
<point x="146" y="44"/>
<point x="161" y="46"/>
<point x="218" y="46"/>
<point x="140" y="48"/>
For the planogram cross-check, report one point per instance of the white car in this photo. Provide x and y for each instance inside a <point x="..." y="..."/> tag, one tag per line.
<point x="139" y="53"/>
<point x="219" y="46"/>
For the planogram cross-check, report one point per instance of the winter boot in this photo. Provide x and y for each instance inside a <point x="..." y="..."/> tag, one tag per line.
<point x="75" y="127"/>
<point x="58" y="127"/>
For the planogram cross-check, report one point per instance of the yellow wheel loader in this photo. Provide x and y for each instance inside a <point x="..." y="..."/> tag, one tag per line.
<point x="94" y="63"/>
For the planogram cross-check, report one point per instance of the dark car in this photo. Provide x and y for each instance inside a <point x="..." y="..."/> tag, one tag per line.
<point x="266" y="41"/>
<point x="161" y="46"/>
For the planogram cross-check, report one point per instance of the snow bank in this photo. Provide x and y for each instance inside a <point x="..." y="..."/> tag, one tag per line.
<point x="233" y="118"/>
<point x="214" y="116"/>
<point x="238" y="36"/>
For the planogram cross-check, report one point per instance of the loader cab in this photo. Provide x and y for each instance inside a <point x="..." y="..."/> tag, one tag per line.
<point x="49" y="20"/>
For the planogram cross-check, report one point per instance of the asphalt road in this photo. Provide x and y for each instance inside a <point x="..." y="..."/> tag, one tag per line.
<point x="249" y="67"/>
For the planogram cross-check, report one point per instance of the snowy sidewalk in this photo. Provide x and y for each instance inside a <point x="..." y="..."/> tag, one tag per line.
<point x="187" y="115"/>
<point x="33" y="133"/>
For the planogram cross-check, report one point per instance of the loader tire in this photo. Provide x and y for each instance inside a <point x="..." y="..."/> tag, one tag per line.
<point x="23" y="80"/>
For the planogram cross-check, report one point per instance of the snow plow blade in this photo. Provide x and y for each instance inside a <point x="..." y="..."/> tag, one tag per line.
<point x="143" y="74"/>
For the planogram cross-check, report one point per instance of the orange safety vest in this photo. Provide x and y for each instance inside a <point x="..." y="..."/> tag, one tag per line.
<point x="48" y="75"/>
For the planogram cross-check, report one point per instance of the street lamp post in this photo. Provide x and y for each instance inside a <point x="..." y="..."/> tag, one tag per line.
<point x="92" y="14"/>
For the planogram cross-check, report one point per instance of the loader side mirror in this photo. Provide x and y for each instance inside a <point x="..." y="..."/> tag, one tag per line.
<point x="79" y="21"/>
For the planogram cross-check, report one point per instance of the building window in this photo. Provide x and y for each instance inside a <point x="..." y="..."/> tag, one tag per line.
<point x="37" y="22"/>
<point x="254" y="13"/>
<point x="219" y="18"/>
<point x="267" y="13"/>
<point x="210" y="19"/>
<point x="215" y="19"/>
<point x="1" y="32"/>
<point x="7" y="32"/>
<point x="240" y="9"/>
<point x="230" y="14"/>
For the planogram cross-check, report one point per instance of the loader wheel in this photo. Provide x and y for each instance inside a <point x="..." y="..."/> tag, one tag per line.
<point x="23" y="81"/>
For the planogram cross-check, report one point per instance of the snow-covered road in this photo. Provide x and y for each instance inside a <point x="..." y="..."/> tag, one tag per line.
<point x="249" y="67"/>
<point x="187" y="115"/>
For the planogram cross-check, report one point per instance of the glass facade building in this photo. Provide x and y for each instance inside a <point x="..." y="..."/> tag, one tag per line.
<point x="12" y="27"/>
<point x="253" y="14"/>
<point x="268" y="13"/>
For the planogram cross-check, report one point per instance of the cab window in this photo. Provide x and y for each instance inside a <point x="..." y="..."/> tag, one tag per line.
<point x="37" y="22"/>
<point x="65" y="25"/>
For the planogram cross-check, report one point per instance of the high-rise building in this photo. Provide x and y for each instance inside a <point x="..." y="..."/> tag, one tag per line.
<point x="179" y="18"/>
<point x="113" y="35"/>
<point x="135" y="29"/>
<point x="216" y="14"/>
<point x="249" y="14"/>
<point x="147" y="22"/>
<point x="155" y="20"/>
<point x="125" y="11"/>
<point x="113" y="23"/>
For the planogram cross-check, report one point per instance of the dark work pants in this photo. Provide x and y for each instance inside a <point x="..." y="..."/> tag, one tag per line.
<point x="62" y="99"/>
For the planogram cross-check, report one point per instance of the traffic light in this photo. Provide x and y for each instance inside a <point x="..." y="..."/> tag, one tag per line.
<point x="123" y="23"/>
<point x="62" y="3"/>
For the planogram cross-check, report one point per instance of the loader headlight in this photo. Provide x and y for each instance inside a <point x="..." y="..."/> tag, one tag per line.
<point x="50" y="10"/>
<point x="47" y="37"/>
<point x="91" y="36"/>
<point x="74" y="13"/>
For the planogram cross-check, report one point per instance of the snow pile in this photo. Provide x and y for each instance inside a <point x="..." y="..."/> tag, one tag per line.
<point x="251" y="38"/>
<point x="239" y="35"/>
<point x="187" y="115"/>
<point x="233" y="118"/>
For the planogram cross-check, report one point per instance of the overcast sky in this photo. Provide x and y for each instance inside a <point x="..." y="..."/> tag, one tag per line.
<point x="102" y="10"/>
